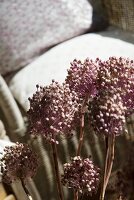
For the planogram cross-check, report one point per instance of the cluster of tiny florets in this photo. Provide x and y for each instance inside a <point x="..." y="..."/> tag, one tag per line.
<point x="52" y="111"/>
<point x="81" y="175"/>
<point x="18" y="162"/>
<point x="117" y="76"/>
<point x="107" y="86"/>
<point x="108" y="114"/>
<point x="115" y="96"/>
<point x="81" y="78"/>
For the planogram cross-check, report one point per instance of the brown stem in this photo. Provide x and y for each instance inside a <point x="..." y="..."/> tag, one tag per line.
<point x="108" y="163"/>
<point x="105" y="173"/>
<point x="81" y="138"/>
<point x="76" y="195"/>
<point x="111" y="157"/>
<point x="26" y="190"/>
<point x="57" y="174"/>
<point x="81" y="134"/>
<point x="82" y="126"/>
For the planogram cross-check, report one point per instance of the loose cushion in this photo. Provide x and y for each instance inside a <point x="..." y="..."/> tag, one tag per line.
<point x="28" y="28"/>
<point x="54" y="63"/>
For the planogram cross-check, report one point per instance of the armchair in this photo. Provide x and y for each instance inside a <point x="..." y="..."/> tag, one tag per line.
<point x="53" y="64"/>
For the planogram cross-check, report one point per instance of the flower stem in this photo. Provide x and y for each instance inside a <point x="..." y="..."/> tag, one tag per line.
<point x="76" y="196"/>
<point x="81" y="127"/>
<point x="81" y="138"/>
<point x="81" y="134"/>
<point x="57" y="174"/>
<point x="111" y="157"/>
<point x="26" y="190"/>
<point x="110" y="143"/>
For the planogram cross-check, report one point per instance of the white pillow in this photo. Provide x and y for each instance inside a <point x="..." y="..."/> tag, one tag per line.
<point x="54" y="63"/>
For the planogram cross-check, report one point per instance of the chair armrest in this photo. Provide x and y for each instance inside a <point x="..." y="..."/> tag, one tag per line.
<point x="11" y="111"/>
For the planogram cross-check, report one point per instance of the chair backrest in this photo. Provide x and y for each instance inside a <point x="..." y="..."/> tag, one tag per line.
<point x="120" y="13"/>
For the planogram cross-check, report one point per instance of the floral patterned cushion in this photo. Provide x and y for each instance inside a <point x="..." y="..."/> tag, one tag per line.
<point x="28" y="28"/>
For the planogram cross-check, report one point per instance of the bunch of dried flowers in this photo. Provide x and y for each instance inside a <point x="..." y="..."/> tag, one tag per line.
<point x="101" y="89"/>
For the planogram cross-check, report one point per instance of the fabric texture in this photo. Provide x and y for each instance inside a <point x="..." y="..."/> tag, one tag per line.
<point x="120" y="13"/>
<point x="28" y="28"/>
<point x="55" y="62"/>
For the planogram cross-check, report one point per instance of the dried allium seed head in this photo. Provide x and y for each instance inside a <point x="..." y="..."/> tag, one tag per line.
<point x="81" y="175"/>
<point x="117" y="75"/>
<point x="115" y="98"/>
<point x="18" y="162"/>
<point x="81" y="78"/>
<point x="52" y="111"/>
<point x="107" y="114"/>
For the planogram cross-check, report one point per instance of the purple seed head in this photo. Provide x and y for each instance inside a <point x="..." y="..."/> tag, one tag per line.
<point x="18" y="162"/>
<point x="81" y="78"/>
<point x="81" y="175"/>
<point x="52" y="111"/>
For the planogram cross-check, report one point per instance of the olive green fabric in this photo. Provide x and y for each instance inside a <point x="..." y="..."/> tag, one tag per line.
<point x="120" y="13"/>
